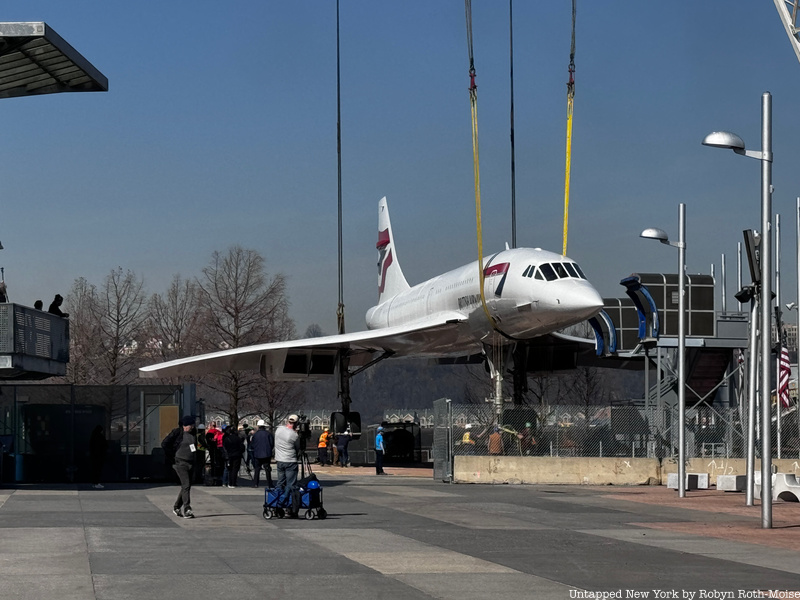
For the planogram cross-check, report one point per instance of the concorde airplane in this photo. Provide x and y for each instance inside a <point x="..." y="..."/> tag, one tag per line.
<point x="528" y="293"/>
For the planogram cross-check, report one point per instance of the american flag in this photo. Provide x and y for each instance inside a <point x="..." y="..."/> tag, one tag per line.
<point x="785" y="371"/>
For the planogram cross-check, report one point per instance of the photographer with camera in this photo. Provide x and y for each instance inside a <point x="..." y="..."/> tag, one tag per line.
<point x="287" y="455"/>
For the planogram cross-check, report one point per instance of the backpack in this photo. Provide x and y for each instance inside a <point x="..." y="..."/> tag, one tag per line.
<point x="303" y="483"/>
<point x="171" y="442"/>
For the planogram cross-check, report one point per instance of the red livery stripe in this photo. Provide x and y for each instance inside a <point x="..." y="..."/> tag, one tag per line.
<point x="383" y="239"/>
<point x="498" y="269"/>
<point x="386" y="262"/>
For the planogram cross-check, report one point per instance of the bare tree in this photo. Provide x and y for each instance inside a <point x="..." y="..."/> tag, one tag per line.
<point x="586" y="388"/>
<point x="106" y="329"/>
<point x="84" y="333"/>
<point x="272" y="401"/>
<point x="119" y="312"/>
<point x="314" y="330"/>
<point x="242" y="305"/>
<point x="175" y="320"/>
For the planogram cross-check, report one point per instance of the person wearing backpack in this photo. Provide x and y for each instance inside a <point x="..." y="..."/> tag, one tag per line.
<point x="180" y="445"/>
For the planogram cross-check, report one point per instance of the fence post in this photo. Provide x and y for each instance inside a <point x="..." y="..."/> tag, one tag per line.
<point x="127" y="432"/>
<point x="450" y="459"/>
<point x="601" y="448"/>
<point x="71" y="469"/>
<point x="141" y="422"/>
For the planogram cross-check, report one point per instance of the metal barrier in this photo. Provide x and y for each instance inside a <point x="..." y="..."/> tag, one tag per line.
<point x="49" y="427"/>
<point x="442" y="441"/>
<point x="602" y="431"/>
<point x="33" y="344"/>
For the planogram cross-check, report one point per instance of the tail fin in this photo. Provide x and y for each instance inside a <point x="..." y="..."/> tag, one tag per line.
<point x="391" y="280"/>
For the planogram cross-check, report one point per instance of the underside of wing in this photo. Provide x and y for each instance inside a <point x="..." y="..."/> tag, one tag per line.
<point x="315" y="358"/>
<point x="557" y="351"/>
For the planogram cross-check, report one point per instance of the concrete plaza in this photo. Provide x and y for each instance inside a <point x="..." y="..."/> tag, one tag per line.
<point x="393" y="537"/>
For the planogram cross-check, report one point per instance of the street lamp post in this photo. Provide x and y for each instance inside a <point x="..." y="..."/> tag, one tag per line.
<point x="725" y="139"/>
<point x="660" y="235"/>
<point x="779" y="332"/>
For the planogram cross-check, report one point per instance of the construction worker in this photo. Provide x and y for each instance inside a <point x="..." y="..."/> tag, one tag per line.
<point x="496" y="442"/>
<point x="467" y="443"/>
<point x="322" y="447"/>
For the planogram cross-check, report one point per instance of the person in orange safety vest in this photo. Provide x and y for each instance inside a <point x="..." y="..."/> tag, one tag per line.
<point x="322" y="447"/>
<point x="467" y="443"/>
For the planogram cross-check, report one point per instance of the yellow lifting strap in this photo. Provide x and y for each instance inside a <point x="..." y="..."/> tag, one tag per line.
<point x="473" y="101"/>
<point x="570" y="105"/>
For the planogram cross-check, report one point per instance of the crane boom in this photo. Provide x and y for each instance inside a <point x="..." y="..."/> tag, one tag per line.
<point x="787" y="9"/>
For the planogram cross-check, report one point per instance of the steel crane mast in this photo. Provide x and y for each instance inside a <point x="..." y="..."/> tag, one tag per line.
<point x="787" y="9"/>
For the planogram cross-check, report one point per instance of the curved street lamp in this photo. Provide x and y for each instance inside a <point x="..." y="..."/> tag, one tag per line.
<point x="655" y="233"/>
<point x="726" y="139"/>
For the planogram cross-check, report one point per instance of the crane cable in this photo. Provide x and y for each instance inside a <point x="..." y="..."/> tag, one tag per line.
<point x="511" y="119"/>
<point x="473" y="101"/>
<point x="570" y="104"/>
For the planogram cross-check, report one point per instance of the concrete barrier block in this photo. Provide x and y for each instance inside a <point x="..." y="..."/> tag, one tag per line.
<point x="702" y="480"/>
<point x="786" y="488"/>
<point x="691" y="481"/>
<point x="566" y="470"/>
<point x="731" y="483"/>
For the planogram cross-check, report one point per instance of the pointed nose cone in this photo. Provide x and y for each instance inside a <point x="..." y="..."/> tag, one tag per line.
<point x="582" y="302"/>
<point x="594" y="303"/>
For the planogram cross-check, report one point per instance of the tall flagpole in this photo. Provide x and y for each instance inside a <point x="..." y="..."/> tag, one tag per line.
<point x="779" y="330"/>
<point x="797" y="335"/>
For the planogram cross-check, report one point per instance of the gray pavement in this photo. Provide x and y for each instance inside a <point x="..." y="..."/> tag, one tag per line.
<point x="387" y="537"/>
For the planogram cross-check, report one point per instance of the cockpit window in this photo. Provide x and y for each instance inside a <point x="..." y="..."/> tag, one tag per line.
<point x="548" y="272"/>
<point x="553" y="271"/>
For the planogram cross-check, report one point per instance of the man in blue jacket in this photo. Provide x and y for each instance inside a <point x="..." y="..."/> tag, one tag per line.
<point x="263" y="443"/>
<point x="380" y="449"/>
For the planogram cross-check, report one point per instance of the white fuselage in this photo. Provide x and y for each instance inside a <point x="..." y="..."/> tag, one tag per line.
<point x="529" y="292"/>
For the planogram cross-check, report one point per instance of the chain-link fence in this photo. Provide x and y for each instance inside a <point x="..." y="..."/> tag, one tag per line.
<point x="45" y="430"/>
<point x="570" y="430"/>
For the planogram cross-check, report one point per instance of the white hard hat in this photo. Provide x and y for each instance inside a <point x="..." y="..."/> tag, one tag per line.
<point x="261" y="423"/>
<point x="468" y="426"/>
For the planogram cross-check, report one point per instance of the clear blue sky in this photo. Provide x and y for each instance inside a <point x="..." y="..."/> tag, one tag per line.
<point x="220" y="128"/>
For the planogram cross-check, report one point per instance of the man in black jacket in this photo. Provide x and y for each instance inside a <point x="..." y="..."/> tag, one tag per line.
<point x="181" y="445"/>
<point x="233" y="448"/>
<point x="263" y="443"/>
